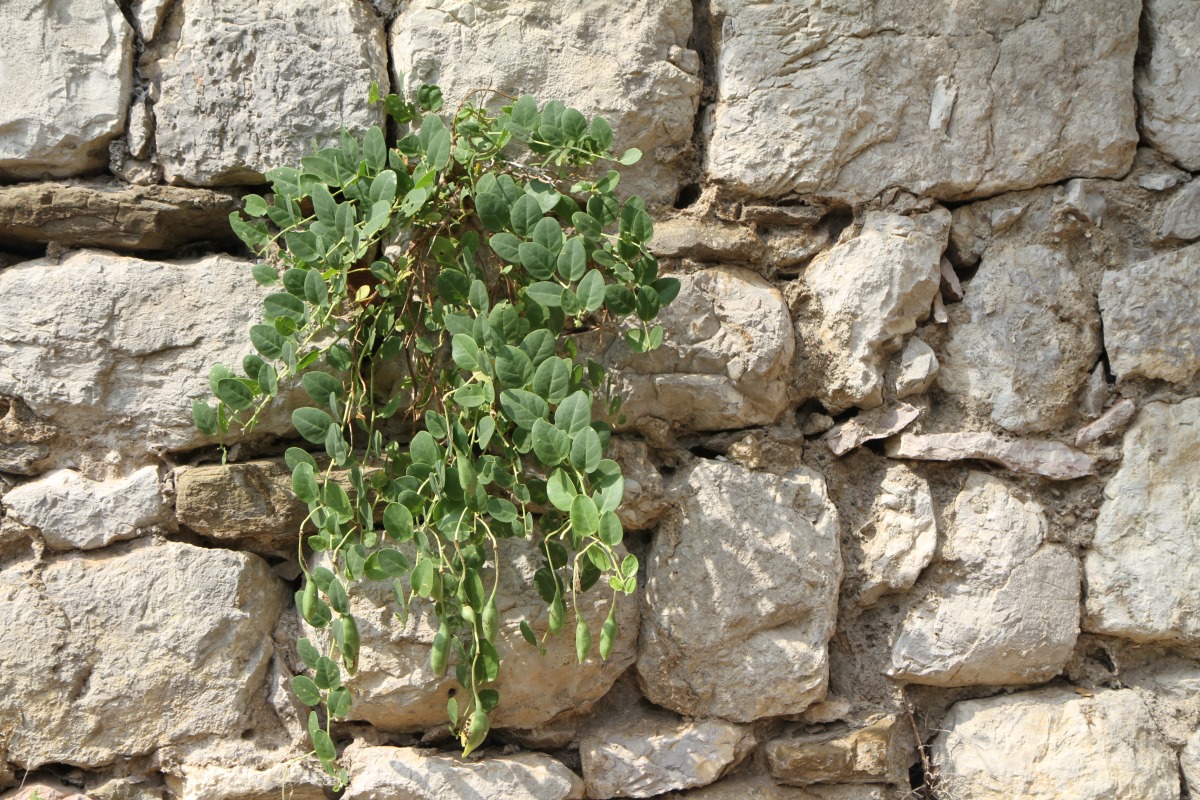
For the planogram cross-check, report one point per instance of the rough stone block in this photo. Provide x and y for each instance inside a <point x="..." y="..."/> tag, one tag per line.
<point x="1168" y="80"/>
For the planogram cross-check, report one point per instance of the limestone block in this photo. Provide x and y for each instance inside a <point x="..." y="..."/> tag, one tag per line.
<point x="116" y="653"/>
<point x="846" y="100"/>
<point x="1149" y="318"/>
<point x="103" y="214"/>
<point x="900" y="539"/>
<point x="1011" y="613"/>
<point x="724" y="360"/>
<point x="1189" y="763"/>
<point x="302" y="780"/>
<point x="44" y="790"/>
<point x="1112" y="421"/>
<point x="65" y="75"/>
<point x="1053" y="460"/>
<point x="762" y="787"/>
<point x="383" y="773"/>
<point x="71" y="511"/>
<point x="874" y="752"/>
<point x="1181" y="217"/>
<point x="741" y="594"/>
<point x="918" y="369"/>
<point x="112" y="350"/>
<point x="878" y="423"/>
<point x="704" y="240"/>
<point x="872" y="290"/>
<point x="1168" y="80"/>
<point x="241" y="86"/>
<point x="626" y="61"/>
<point x="1054" y="743"/>
<point x="1027" y="334"/>
<point x="1147" y="530"/>
<point x="639" y="751"/>
<point x="645" y="498"/>
<point x="396" y="690"/>
<point x="251" y="503"/>
<point x="24" y="438"/>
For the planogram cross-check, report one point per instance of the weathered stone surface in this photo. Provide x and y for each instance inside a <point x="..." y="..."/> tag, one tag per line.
<point x="900" y="539"/>
<point x="769" y="599"/>
<point x="44" y="790"/>
<point x="847" y="100"/>
<point x="1053" y="460"/>
<point x="70" y="511"/>
<point x="1112" y="421"/>
<point x="1168" y="80"/>
<point x="24" y="438"/>
<point x="1189" y="763"/>
<point x="723" y="363"/>
<point x="1008" y="610"/>
<point x="65" y="75"/>
<point x="626" y="61"/>
<point x="878" y="423"/>
<point x="918" y="369"/>
<point x="112" y="350"/>
<point x="1146" y="530"/>
<point x="1054" y="743"/>
<point x="303" y="780"/>
<point x="101" y="214"/>
<point x="395" y="689"/>
<point x="645" y="498"/>
<point x="148" y="16"/>
<point x="871" y="291"/>
<point x="1024" y="340"/>
<point x="251" y="503"/>
<point x="242" y="86"/>
<point x="635" y="750"/>
<point x="390" y="773"/>
<point x="1149" y="319"/>
<point x="119" y="652"/>
<point x="1181" y="217"/>
<point x="705" y="240"/>
<point x="761" y="787"/>
<point x="874" y="752"/>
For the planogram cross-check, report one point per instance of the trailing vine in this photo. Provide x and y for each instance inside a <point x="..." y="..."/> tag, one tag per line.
<point x="462" y="260"/>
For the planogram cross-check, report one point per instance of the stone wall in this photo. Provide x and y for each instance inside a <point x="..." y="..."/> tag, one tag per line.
<point x="929" y="391"/>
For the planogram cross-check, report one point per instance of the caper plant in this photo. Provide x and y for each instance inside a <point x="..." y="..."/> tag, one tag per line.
<point x="464" y="259"/>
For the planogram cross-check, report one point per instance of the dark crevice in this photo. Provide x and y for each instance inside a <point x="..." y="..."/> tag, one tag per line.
<point x="836" y="221"/>
<point x="703" y="42"/>
<point x="687" y="196"/>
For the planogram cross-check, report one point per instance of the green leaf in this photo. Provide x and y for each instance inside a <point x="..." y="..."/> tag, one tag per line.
<point x="668" y="290"/>
<point x="267" y="340"/>
<point x="264" y="274"/>
<point x="383" y="188"/>
<point x="507" y="246"/>
<point x="527" y="632"/>
<point x="629" y="566"/>
<point x="525" y="215"/>
<point x="548" y="234"/>
<point x="398" y="522"/>
<point x="308" y="653"/>
<point x="465" y="353"/>
<point x="574" y="414"/>
<point x="294" y="457"/>
<point x="502" y="510"/>
<point x="546" y="293"/>
<point x="384" y="564"/>
<point x="572" y="261"/>
<point x="319" y="385"/>
<point x="424" y="450"/>
<point x="493" y="211"/>
<point x="552" y="379"/>
<point x="472" y="395"/>
<point x="323" y="746"/>
<point x="235" y="394"/>
<point x="285" y="305"/>
<point x="524" y="111"/>
<point x="305" y="690"/>
<point x="561" y="491"/>
<point x="422" y="577"/>
<point x="619" y="299"/>
<point x="312" y="424"/>
<point x="204" y="418"/>
<point x="610" y="529"/>
<point x="304" y="484"/>
<point x="602" y="133"/>
<point x="609" y="498"/>
<point x="537" y="260"/>
<point x="513" y="367"/>
<point x="453" y="286"/>
<point x="339" y="702"/>
<point x="586" y="450"/>
<point x="585" y="519"/>
<point x="631" y="156"/>
<point x="550" y="444"/>
<point x="326" y="675"/>
<point x="539" y="345"/>
<point x="375" y="148"/>
<point x="523" y="408"/>
<point x="590" y="291"/>
<point x="586" y="225"/>
<point x="604" y="208"/>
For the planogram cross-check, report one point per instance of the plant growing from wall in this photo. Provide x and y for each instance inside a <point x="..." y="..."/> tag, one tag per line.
<point x="462" y="260"/>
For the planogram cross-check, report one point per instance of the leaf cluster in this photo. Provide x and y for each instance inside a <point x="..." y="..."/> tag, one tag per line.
<point x="465" y="260"/>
